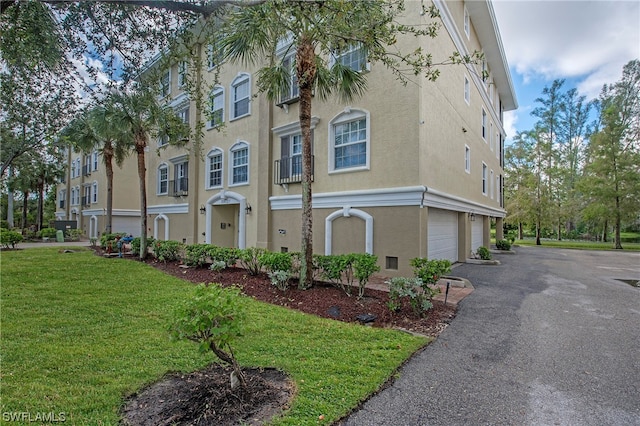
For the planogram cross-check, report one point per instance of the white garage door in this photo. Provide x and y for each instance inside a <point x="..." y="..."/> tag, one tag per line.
<point x="129" y="225"/>
<point x="476" y="233"/>
<point x="443" y="235"/>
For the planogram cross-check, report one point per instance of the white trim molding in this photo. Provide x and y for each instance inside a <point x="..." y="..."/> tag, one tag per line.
<point x="157" y="219"/>
<point x="348" y="212"/>
<point x="223" y="198"/>
<point x="168" y="209"/>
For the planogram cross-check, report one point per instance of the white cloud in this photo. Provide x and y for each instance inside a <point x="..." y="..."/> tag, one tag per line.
<point x="588" y="40"/>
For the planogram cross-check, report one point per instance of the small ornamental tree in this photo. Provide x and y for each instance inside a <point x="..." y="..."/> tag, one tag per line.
<point x="213" y="318"/>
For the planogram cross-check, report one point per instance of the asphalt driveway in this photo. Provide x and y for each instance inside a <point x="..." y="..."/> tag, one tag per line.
<point x="549" y="337"/>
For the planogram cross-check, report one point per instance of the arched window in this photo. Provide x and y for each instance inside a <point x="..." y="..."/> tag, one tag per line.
<point x="213" y="177"/>
<point x="349" y="140"/>
<point x="163" y="179"/>
<point x="94" y="192"/>
<point x="239" y="164"/>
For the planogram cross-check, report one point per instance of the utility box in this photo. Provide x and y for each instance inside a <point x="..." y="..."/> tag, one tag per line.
<point x="60" y="236"/>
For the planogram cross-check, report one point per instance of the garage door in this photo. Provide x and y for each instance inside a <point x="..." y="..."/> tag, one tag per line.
<point x="443" y="235"/>
<point x="129" y="225"/>
<point x="476" y="233"/>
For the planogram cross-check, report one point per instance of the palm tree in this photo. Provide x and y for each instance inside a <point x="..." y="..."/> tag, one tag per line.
<point x="320" y="32"/>
<point x="137" y="114"/>
<point x="92" y="130"/>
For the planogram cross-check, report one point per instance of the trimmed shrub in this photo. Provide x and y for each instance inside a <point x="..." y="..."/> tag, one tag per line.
<point x="48" y="232"/>
<point x="341" y="270"/>
<point x="484" y="253"/>
<point x="9" y="239"/>
<point x="430" y="271"/>
<point x="135" y="245"/>
<point x="250" y="259"/>
<point x="503" y="245"/>
<point x="418" y="293"/>
<point x="168" y="250"/>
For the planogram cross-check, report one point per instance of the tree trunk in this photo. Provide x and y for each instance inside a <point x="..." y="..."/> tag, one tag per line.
<point x="604" y="231"/>
<point x="40" y="210"/>
<point x="617" y="240"/>
<point x="25" y="210"/>
<point x="306" y="72"/>
<point x="520" y="231"/>
<point x="142" y="175"/>
<point x="10" y="200"/>
<point x="538" y="232"/>
<point x="107" y="154"/>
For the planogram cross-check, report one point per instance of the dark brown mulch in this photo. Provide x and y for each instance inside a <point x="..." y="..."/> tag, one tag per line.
<point x="205" y="397"/>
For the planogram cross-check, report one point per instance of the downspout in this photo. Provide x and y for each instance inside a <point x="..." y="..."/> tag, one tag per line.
<point x="421" y="230"/>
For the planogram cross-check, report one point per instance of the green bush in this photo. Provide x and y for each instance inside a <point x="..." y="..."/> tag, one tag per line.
<point x="168" y="250"/>
<point x="135" y="245"/>
<point x="48" y="232"/>
<point x="213" y="318"/>
<point x="419" y="294"/>
<point x="275" y="261"/>
<point x="280" y="279"/>
<point x="341" y="270"/>
<point x="250" y="259"/>
<point x="74" y="234"/>
<point x="484" y="253"/>
<point x="9" y="239"/>
<point x="224" y="254"/>
<point x="105" y="239"/>
<point x="503" y="245"/>
<point x="430" y="271"/>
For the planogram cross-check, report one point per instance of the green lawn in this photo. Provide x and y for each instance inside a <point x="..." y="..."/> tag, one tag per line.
<point x="80" y="333"/>
<point x="576" y="244"/>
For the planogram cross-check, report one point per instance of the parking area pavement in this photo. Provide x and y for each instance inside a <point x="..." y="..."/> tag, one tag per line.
<point x="548" y="337"/>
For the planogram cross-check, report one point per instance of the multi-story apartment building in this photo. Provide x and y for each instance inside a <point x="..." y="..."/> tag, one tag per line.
<point x="82" y="194"/>
<point x="402" y="172"/>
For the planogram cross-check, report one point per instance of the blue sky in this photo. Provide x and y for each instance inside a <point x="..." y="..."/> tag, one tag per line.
<point x="585" y="42"/>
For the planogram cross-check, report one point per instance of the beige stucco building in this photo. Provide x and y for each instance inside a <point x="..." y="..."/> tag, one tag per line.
<point x="404" y="171"/>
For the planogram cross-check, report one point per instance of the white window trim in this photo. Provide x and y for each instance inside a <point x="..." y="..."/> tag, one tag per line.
<point x="95" y="160"/>
<point x="335" y="57"/>
<point x="162" y="166"/>
<point x="467" y="90"/>
<point x="165" y="95"/>
<point x="240" y="78"/>
<point x="485" y="178"/>
<point x="237" y="147"/>
<point x="214" y="151"/>
<point x="497" y="145"/>
<point x="347" y="115"/>
<point x="491" y="135"/>
<point x="215" y="91"/>
<point x="491" y="183"/>
<point x="467" y="23"/>
<point x="484" y="124"/>
<point x="182" y="73"/>
<point x="467" y="159"/>
<point x="94" y="192"/>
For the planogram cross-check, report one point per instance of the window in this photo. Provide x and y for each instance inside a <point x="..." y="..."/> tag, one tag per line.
<point x="498" y="189"/>
<point x="86" y="199"/>
<point x="181" y="183"/>
<point x="94" y="193"/>
<point x="182" y="73"/>
<point x="491" y="185"/>
<point x="354" y="57"/>
<point x="497" y="145"/>
<point x="216" y="113"/>
<point x="95" y="160"/>
<point x="240" y="163"/>
<point x="165" y="84"/>
<point x="73" y="196"/>
<point x="163" y="140"/>
<point x="467" y="90"/>
<point x="349" y="140"/>
<point x="62" y="198"/>
<point x="467" y="159"/>
<point x="163" y="179"/>
<point x="484" y="125"/>
<point x="215" y="53"/>
<point x="292" y="92"/>
<point x="240" y="96"/>
<point x="467" y="23"/>
<point x="183" y="115"/>
<point x="491" y="136"/>
<point x="291" y="157"/>
<point x="484" y="179"/>
<point x="214" y="169"/>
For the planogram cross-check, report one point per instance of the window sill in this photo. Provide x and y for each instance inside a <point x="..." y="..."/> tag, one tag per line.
<point x="239" y="117"/>
<point x="350" y="170"/>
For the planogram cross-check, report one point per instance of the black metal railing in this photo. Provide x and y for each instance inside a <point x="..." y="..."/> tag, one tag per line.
<point x="86" y="201"/>
<point x="86" y="170"/>
<point x="62" y="204"/>
<point x="179" y="187"/>
<point x="289" y="170"/>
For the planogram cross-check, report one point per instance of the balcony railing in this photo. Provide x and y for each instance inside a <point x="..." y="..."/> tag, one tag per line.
<point x="86" y="170"/>
<point x="86" y="201"/>
<point x="62" y="204"/>
<point x="289" y="170"/>
<point x="179" y="187"/>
